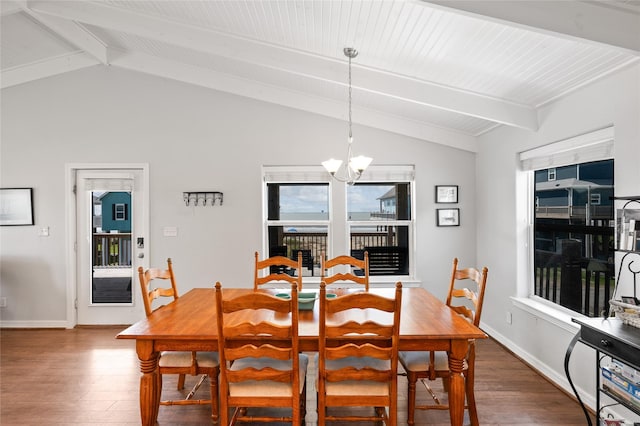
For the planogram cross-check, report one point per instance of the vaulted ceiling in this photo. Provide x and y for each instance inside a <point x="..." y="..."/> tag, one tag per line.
<point x="443" y="71"/>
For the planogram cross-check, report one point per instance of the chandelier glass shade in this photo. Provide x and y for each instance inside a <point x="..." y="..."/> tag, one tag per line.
<point x="354" y="166"/>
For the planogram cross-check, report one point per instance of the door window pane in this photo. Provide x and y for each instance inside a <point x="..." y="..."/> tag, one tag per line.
<point x="111" y="243"/>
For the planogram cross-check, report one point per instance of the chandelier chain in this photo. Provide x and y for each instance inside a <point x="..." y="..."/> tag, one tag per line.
<point x="354" y="166"/>
<point x="350" y="97"/>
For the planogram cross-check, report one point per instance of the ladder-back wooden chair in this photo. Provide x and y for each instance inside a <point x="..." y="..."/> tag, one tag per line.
<point x="182" y="363"/>
<point x="363" y="371"/>
<point x="466" y="294"/>
<point x="276" y="269"/>
<point x="261" y="364"/>
<point x="354" y="264"/>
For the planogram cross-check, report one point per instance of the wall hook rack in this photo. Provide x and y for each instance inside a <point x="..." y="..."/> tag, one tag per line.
<point x="202" y="198"/>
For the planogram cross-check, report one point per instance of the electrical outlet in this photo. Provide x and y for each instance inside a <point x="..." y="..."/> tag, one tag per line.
<point x="3" y="302"/>
<point x="509" y="317"/>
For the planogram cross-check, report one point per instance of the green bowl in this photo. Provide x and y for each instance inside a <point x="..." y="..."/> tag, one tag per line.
<point x="283" y="295"/>
<point x="306" y="301"/>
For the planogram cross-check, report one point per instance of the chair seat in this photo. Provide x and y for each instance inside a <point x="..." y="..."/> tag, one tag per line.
<point x="353" y="387"/>
<point x="207" y="359"/>
<point x="419" y="361"/>
<point x="267" y="387"/>
<point x="183" y="359"/>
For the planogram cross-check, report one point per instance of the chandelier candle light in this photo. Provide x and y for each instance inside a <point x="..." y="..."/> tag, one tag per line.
<point x="355" y="166"/>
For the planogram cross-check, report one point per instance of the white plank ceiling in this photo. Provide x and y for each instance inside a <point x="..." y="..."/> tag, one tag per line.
<point x="443" y="71"/>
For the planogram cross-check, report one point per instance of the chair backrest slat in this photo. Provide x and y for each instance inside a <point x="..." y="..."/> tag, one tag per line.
<point x="150" y="293"/>
<point x="460" y="289"/>
<point x="278" y="268"/>
<point x="358" y="270"/>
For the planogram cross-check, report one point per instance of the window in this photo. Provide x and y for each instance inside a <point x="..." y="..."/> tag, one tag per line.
<point x="298" y="219"/>
<point x="572" y="256"/>
<point x="300" y="214"/>
<point x="119" y="211"/>
<point x="379" y="221"/>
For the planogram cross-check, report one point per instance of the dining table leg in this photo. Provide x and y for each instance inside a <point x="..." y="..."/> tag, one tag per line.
<point x="149" y="382"/>
<point x="456" y="381"/>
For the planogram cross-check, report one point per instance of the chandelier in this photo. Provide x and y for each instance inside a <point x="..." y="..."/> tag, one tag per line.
<point x="355" y="166"/>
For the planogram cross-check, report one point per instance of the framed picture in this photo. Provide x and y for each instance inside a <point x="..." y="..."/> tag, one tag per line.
<point x="16" y="206"/>
<point x="448" y="217"/>
<point x="446" y="193"/>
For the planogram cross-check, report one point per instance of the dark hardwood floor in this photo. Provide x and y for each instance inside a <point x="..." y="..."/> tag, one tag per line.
<point x="87" y="377"/>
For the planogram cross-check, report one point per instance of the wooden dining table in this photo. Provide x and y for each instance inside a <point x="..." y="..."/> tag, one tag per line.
<point x="189" y="323"/>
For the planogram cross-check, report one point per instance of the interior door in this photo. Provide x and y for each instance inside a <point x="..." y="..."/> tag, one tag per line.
<point x="111" y="245"/>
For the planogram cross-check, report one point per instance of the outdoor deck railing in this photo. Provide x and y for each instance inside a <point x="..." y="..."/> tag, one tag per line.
<point x="112" y="250"/>
<point x="574" y="266"/>
<point x="317" y="242"/>
<point x="581" y="284"/>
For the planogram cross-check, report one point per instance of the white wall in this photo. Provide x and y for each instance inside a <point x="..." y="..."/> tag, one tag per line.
<point x="193" y="139"/>
<point x="612" y="101"/>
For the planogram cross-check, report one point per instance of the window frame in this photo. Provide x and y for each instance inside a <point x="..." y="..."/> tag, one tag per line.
<point x="409" y="223"/>
<point x="593" y="146"/>
<point x="338" y="222"/>
<point x="119" y="212"/>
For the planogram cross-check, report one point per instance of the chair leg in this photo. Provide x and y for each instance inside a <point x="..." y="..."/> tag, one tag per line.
<point x="303" y="404"/>
<point x="471" y="399"/>
<point x="321" y="411"/>
<point x="215" y="409"/>
<point x="181" y="378"/>
<point x="411" y="398"/>
<point x="445" y="384"/>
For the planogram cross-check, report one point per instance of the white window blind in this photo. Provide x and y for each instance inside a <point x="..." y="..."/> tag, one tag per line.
<point x="593" y="146"/>
<point x="109" y="184"/>
<point x="402" y="173"/>
<point x="292" y="174"/>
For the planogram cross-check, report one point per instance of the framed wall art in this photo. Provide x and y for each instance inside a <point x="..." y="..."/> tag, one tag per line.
<point x="16" y="206"/>
<point x="448" y="217"/>
<point x="446" y="193"/>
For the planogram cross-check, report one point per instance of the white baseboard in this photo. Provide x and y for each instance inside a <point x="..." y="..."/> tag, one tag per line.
<point x="33" y="324"/>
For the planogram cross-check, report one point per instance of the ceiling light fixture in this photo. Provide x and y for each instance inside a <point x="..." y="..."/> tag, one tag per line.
<point x="355" y="166"/>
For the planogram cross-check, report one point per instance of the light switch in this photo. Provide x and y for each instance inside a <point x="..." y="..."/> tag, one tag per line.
<point x="170" y="231"/>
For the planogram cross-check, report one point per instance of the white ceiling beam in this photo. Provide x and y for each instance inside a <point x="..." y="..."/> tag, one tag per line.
<point x="292" y="62"/>
<point x="46" y="68"/>
<point x="268" y="93"/>
<point x="73" y="33"/>
<point x="9" y="7"/>
<point x="597" y="21"/>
